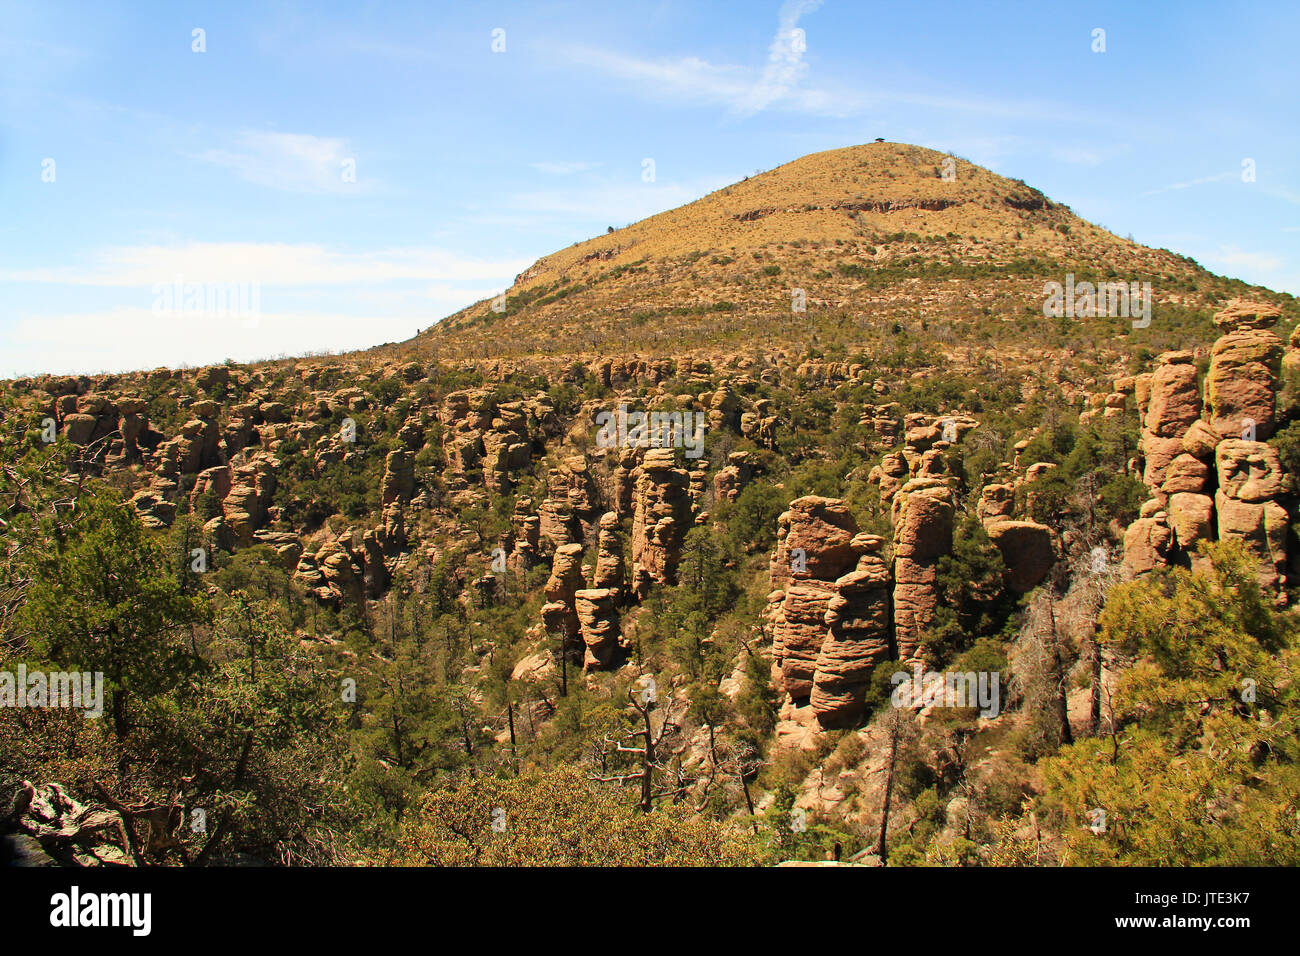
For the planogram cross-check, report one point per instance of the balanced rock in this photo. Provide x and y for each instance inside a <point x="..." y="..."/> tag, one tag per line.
<point x="1026" y="549"/>
<point x="814" y="540"/>
<point x="1243" y="314"/>
<point x="610" y="570"/>
<point x="559" y="614"/>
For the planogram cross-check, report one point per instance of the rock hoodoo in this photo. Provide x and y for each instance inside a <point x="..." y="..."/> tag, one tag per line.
<point x="661" y="518"/>
<point x="858" y="634"/>
<point x="923" y="521"/>
<point x="1209" y="471"/>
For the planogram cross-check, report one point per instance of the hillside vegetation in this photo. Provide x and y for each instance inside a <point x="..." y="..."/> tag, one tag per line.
<point x="421" y="605"/>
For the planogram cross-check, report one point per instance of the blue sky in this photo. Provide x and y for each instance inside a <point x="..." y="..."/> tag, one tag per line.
<point x="230" y="165"/>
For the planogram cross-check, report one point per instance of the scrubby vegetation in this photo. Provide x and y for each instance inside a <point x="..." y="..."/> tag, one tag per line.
<point x="415" y="705"/>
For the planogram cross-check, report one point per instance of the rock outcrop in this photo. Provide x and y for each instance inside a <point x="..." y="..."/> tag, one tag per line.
<point x="731" y="480"/>
<point x="661" y="518"/>
<point x="559" y="614"/>
<point x="1250" y="478"/>
<point x="398" y="482"/>
<point x="1148" y="543"/>
<point x="49" y="828"/>
<point x="923" y="520"/>
<point x="598" y="623"/>
<point x="814" y="548"/>
<point x="1241" y="385"/>
<point x="251" y="491"/>
<point x="610" y="569"/>
<point x="1212" y="476"/>
<point x="1173" y="405"/>
<point x="858" y="619"/>
<point x="1027" y="551"/>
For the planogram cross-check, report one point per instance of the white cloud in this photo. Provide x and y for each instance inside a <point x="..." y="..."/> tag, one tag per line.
<point x="1281" y="192"/>
<point x="126" y="338"/>
<point x="1272" y="270"/>
<point x="268" y="264"/>
<point x="785" y="64"/>
<point x="744" y="91"/>
<point x="296" y="162"/>
<point x="739" y="89"/>
<point x="310" y="299"/>
<point x="685" y="78"/>
<point x="1240" y="258"/>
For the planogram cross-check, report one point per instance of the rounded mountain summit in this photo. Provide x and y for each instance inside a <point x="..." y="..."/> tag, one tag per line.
<point x="870" y="234"/>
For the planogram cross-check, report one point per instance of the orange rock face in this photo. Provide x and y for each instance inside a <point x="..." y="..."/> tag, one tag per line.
<point x="660" y="520"/>
<point x="923" y="518"/>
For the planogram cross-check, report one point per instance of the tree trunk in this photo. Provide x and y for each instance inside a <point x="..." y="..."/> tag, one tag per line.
<point x="647" y="803"/>
<point x="749" y="801"/>
<point x="881" y="850"/>
<point x="1094" y="704"/>
<point x="1059" y="678"/>
<point x="510" y="713"/>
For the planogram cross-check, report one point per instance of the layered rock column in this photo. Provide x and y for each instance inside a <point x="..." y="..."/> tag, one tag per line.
<point x="598" y="623"/>
<point x="1241" y="385"/>
<point x="661" y="518"/>
<point x="559" y="614"/>
<point x="610" y="569"/>
<point x="1148" y="541"/>
<point x="923" y="521"/>
<point x="814" y="548"/>
<point x="597" y="606"/>
<point x="858" y="618"/>
<point x="1173" y="404"/>
<point x="1250" y="478"/>
<point x="1220" y="480"/>
<point x="527" y="533"/>
<point x="251" y="492"/>
<point x="1027" y="550"/>
<point x="398" y="482"/>
<point x="731" y="480"/>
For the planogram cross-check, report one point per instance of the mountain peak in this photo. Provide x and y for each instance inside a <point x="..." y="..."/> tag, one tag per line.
<point x="881" y="229"/>
<point x="837" y="194"/>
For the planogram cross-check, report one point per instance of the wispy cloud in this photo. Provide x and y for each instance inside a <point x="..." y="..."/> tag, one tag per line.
<point x="1216" y="178"/>
<point x="745" y="91"/>
<point x="1235" y="257"/>
<point x="311" y="298"/>
<point x="268" y="264"/>
<point x="1281" y="192"/>
<point x="297" y="162"/>
<point x="785" y="60"/>
<point x="1276" y="270"/>
<point x="693" y="80"/>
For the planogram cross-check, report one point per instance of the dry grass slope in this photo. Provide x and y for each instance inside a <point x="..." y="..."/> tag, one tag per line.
<point x="873" y="235"/>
